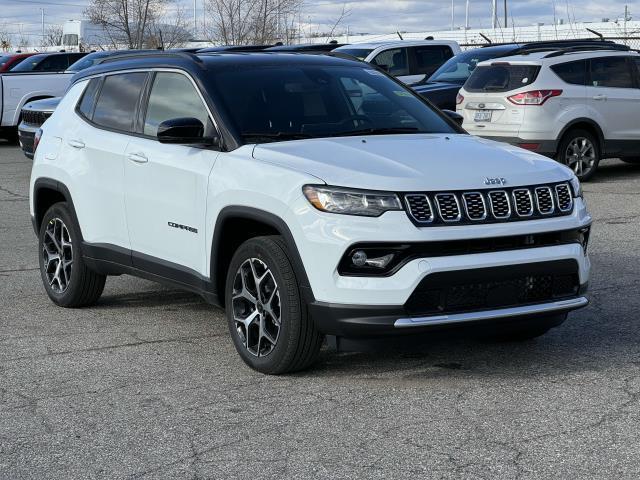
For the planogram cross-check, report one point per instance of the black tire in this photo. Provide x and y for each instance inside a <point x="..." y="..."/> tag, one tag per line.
<point x="82" y="286"/>
<point x="580" y="168"/>
<point x="632" y="160"/>
<point x="297" y="342"/>
<point x="527" y="330"/>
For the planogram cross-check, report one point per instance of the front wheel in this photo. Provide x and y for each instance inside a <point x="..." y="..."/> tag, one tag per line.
<point x="579" y="150"/>
<point x="267" y="317"/>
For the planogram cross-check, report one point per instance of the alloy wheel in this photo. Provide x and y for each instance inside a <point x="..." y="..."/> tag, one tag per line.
<point x="256" y="307"/>
<point x="57" y="254"/>
<point x="580" y="155"/>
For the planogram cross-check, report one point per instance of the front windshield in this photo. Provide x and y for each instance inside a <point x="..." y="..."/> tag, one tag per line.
<point x="457" y="69"/>
<point x="359" y="53"/>
<point x="274" y="103"/>
<point x="29" y="64"/>
<point x="88" y="61"/>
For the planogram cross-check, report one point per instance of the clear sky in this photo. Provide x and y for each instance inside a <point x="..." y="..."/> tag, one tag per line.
<point x="372" y="16"/>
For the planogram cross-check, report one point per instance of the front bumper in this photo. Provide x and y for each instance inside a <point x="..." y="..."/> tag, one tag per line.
<point x="26" y="136"/>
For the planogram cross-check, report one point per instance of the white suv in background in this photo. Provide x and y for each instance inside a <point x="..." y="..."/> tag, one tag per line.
<point x="577" y="104"/>
<point x="410" y="61"/>
<point x="309" y="195"/>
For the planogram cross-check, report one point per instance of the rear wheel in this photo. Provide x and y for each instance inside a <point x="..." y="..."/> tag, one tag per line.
<point x="527" y="330"/>
<point x="267" y="317"/>
<point x="66" y="278"/>
<point x="580" y="151"/>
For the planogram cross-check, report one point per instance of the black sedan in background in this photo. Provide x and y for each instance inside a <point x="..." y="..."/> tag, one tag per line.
<point x="442" y="87"/>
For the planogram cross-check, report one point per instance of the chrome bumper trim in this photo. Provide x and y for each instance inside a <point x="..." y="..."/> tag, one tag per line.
<point x="562" y="305"/>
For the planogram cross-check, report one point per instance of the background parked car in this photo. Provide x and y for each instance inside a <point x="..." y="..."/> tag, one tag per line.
<point x="445" y="83"/>
<point x="306" y="47"/>
<point x="234" y="48"/>
<point x="10" y="60"/>
<point x="48" y="62"/>
<point x="410" y="61"/>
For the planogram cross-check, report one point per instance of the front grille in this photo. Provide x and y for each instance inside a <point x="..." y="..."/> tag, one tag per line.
<point x="420" y="208"/>
<point x="489" y="206"/>
<point x="448" y="207"/>
<point x="544" y="200"/>
<point x="565" y="200"/>
<point x="523" y="202"/>
<point x="496" y="287"/>
<point x="474" y="205"/>
<point x="34" y="117"/>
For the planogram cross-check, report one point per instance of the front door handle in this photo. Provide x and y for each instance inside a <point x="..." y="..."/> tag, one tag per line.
<point x="76" y="144"/>
<point x="599" y="97"/>
<point x="138" y="157"/>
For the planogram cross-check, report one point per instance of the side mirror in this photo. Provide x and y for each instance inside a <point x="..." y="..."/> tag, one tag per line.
<point x="455" y="116"/>
<point x="185" y="131"/>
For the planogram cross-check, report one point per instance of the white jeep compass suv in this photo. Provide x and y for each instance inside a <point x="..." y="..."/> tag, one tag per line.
<point x="306" y="194"/>
<point x="578" y="104"/>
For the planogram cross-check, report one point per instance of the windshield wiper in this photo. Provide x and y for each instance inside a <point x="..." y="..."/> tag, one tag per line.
<point x="277" y="135"/>
<point x="378" y="131"/>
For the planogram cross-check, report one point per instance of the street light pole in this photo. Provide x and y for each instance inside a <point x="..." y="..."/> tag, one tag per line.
<point x="506" y="18"/>
<point x="42" y="12"/>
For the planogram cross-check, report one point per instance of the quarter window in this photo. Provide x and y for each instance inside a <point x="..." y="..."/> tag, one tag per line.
<point x="174" y="96"/>
<point x="118" y="100"/>
<point x="611" y="72"/>
<point x="574" y="73"/>
<point x="85" y="107"/>
<point x="394" y="60"/>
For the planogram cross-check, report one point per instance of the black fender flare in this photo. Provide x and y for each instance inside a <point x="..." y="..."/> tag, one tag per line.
<point x="51" y="184"/>
<point x="588" y="121"/>
<point x="273" y="221"/>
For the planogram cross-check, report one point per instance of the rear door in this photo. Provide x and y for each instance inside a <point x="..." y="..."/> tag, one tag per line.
<point x="424" y="60"/>
<point x="96" y="145"/>
<point x="487" y="107"/>
<point x="166" y="185"/>
<point x="613" y="93"/>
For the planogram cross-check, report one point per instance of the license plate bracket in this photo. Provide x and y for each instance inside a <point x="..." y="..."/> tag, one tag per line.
<point x="482" y="116"/>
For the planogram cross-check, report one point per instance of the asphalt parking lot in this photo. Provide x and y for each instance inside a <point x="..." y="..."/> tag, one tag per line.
<point x="148" y="384"/>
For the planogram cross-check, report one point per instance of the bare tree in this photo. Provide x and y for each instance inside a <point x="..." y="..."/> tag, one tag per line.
<point x="137" y="23"/>
<point x="5" y="37"/>
<point x="52" y="36"/>
<point x="245" y="22"/>
<point x="169" y="32"/>
<point x="344" y="14"/>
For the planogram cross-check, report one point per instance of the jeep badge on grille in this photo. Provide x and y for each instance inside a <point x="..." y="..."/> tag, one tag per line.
<point x="495" y="181"/>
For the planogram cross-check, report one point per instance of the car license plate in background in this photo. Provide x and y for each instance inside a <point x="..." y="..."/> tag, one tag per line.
<point x="482" y="116"/>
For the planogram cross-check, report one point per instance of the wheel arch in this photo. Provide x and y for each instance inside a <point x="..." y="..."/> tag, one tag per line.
<point x="46" y="192"/>
<point x="18" y="114"/>
<point x="235" y="225"/>
<point x="586" y="124"/>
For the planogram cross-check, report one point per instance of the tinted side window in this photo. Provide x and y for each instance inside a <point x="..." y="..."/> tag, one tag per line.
<point x="116" y="105"/>
<point x="574" y="73"/>
<point x="85" y="107"/>
<point x="173" y="96"/>
<point x="611" y="72"/>
<point x="636" y="61"/>
<point x="54" y="63"/>
<point x="429" y="58"/>
<point x="395" y="60"/>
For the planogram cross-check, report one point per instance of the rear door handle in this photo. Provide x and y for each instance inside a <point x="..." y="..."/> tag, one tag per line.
<point x="599" y="97"/>
<point x="76" y="144"/>
<point x="138" y="157"/>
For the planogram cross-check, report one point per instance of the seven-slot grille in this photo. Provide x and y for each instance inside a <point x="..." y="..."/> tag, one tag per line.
<point x="34" y="117"/>
<point x="490" y="206"/>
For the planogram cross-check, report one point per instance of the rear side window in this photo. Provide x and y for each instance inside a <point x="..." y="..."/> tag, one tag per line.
<point x="394" y="60"/>
<point x="53" y="63"/>
<point x="429" y="58"/>
<point x="118" y="100"/>
<point x="574" y="73"/>
<point x="85" y="107"/>
<point x="173" y="96"/>
<point x="501" y="77"/>
<point x="611" y="72"/>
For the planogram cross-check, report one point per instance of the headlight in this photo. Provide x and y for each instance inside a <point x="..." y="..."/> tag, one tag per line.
<point x="576" y="187"/>
<point x="351" y="202"/>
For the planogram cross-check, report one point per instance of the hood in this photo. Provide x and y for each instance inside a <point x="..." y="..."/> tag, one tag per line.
<point x="416" y="162"/>
<point x="436" y="86"/>
<point x="44" y="105"/>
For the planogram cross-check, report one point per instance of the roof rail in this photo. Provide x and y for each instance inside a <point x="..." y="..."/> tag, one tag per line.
<point x="159" y="53"/>
<point x="615" y="47"/>
<point x="565" y="44"/>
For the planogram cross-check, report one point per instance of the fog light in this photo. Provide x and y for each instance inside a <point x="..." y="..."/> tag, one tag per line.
<point x="359" y="258"/>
